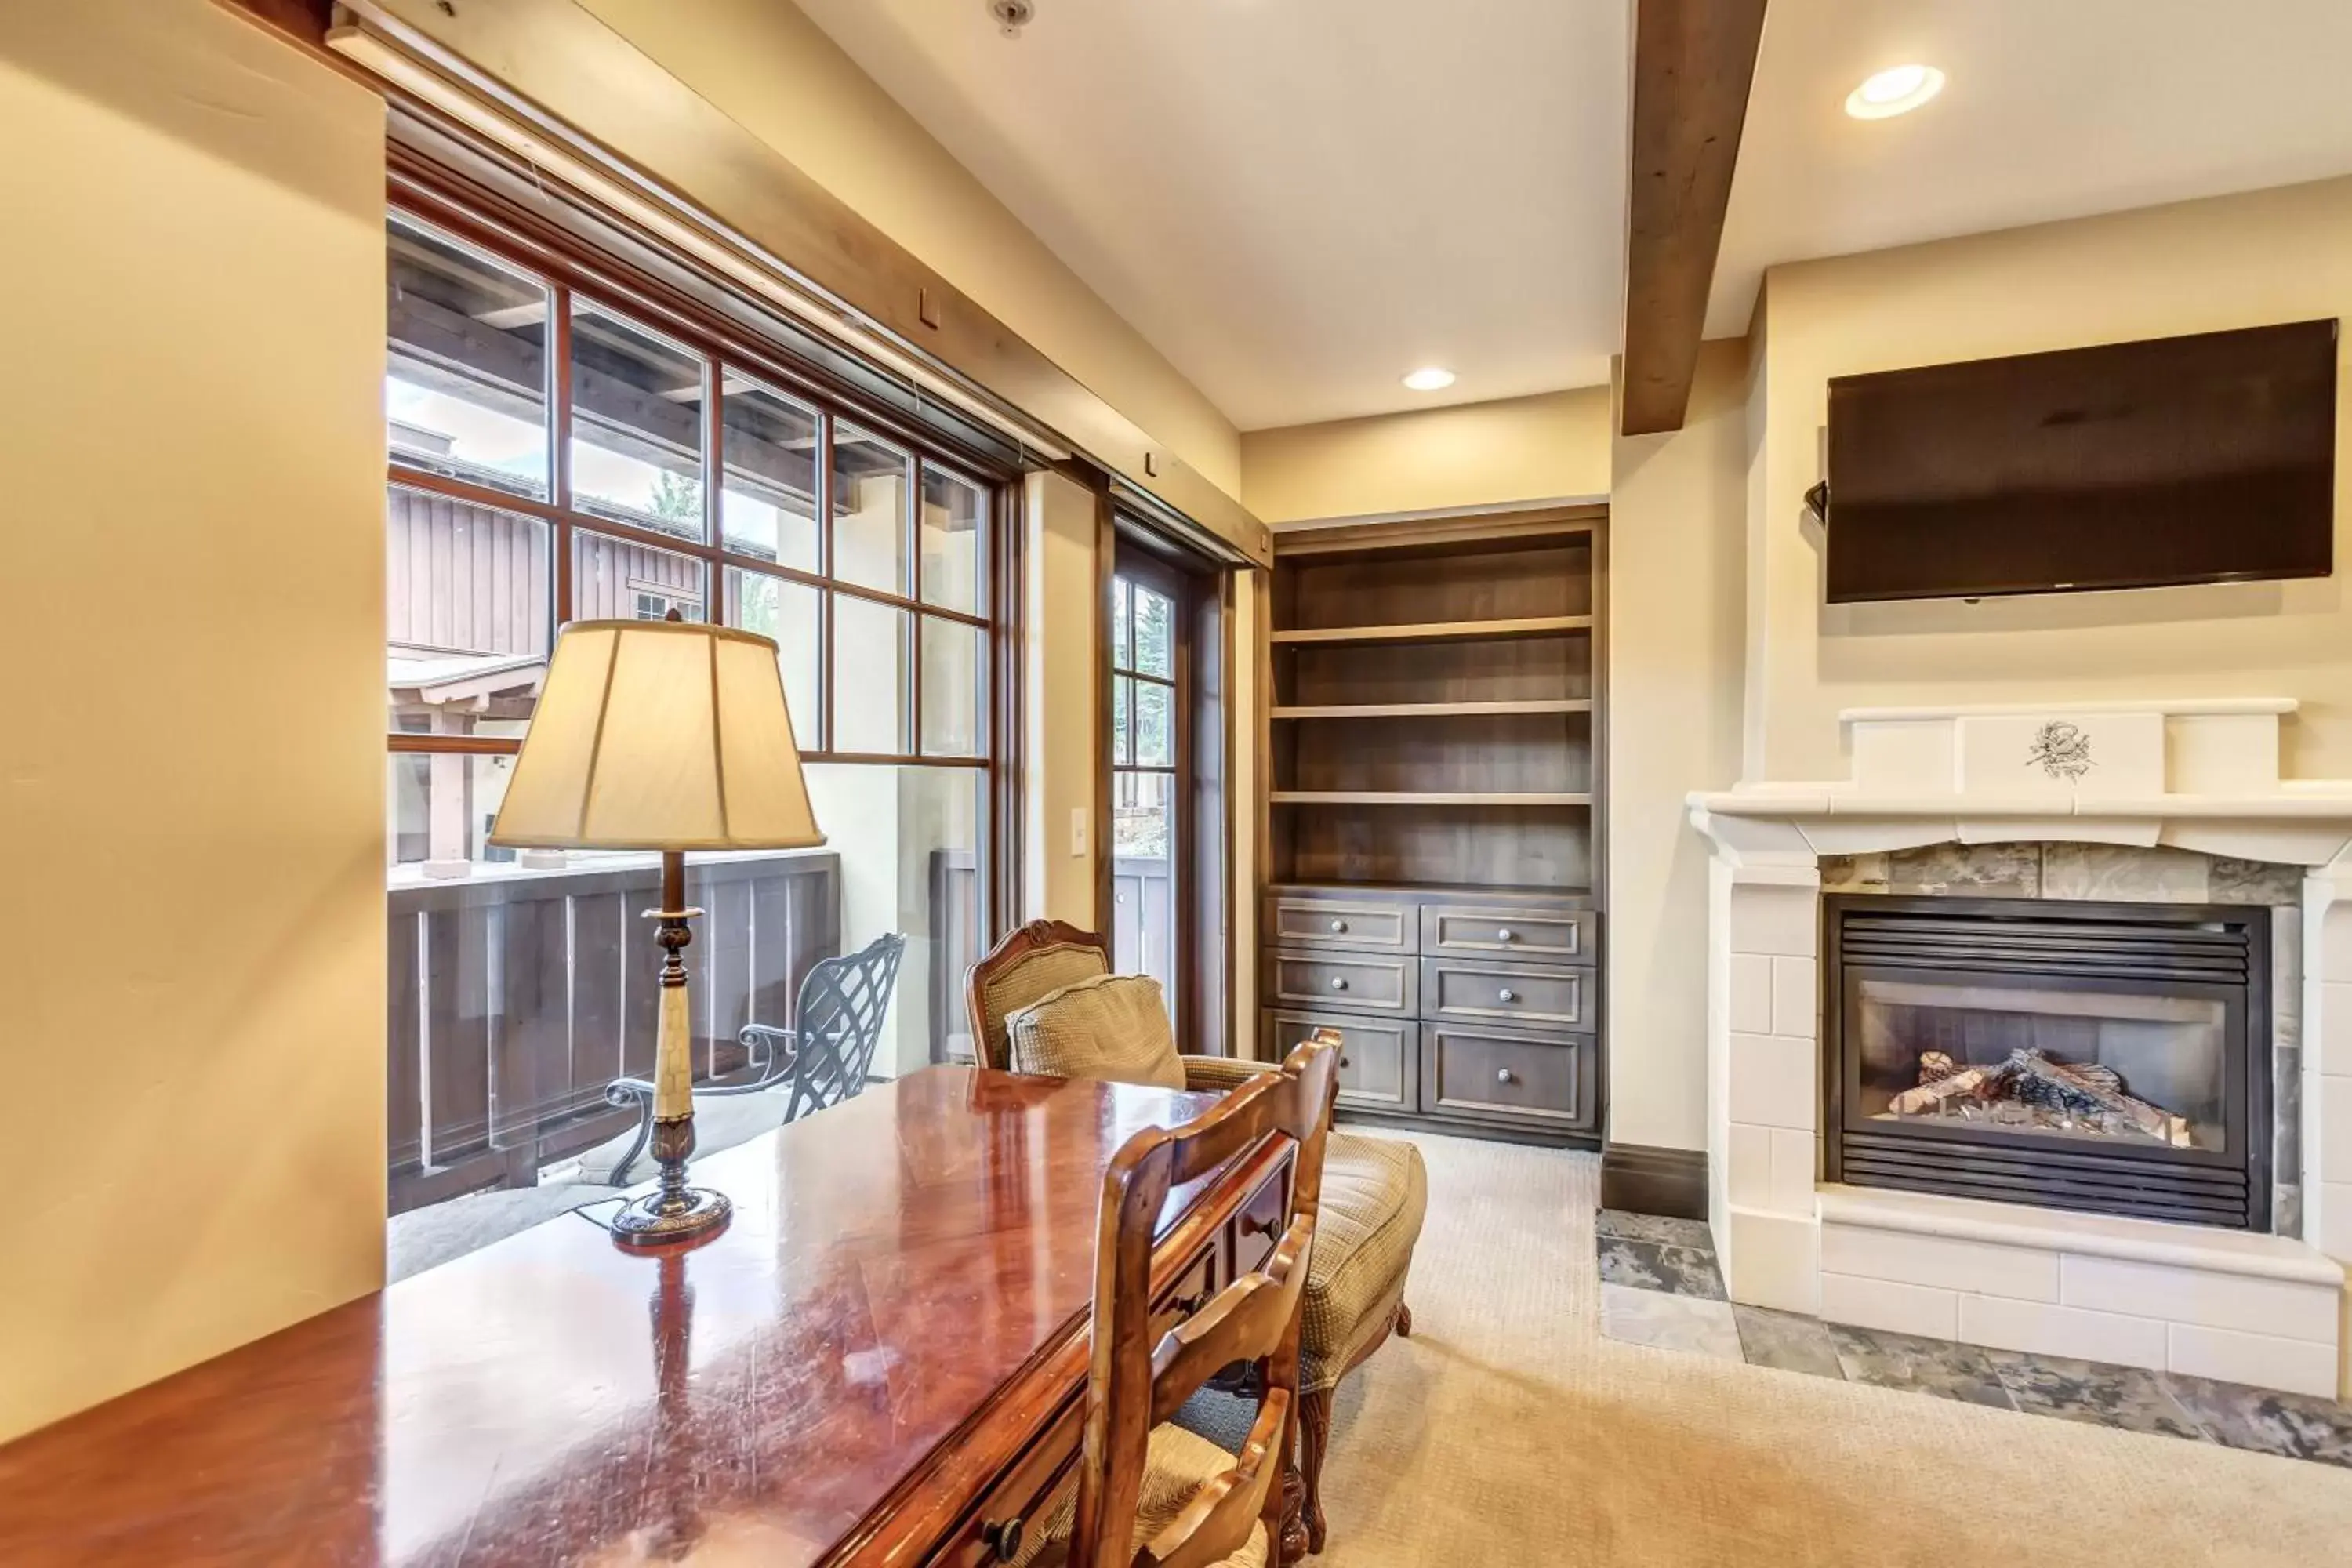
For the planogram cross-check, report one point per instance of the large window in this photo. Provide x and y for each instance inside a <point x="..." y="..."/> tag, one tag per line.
<point x="560" y="455"/>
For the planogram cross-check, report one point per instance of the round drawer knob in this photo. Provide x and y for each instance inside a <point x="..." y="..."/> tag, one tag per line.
<point x="1004" y="1537"/>
<point x="1503" y="1075"/>
<point x="1509" y="994"/>
<point x="1339" y="928"/>
<point x="1505" y="934"/>
<point x="1346" y="1063"/>
<point x="1339" y="983"/>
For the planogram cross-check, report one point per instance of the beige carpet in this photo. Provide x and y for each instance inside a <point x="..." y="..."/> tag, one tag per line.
<point x="1508" y="1431"/>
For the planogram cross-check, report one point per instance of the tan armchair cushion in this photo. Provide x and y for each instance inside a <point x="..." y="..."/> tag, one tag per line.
<point x="1375" y="1195"/>
<point x="1041" y="974"/>
<point x="1111" y="1026"/>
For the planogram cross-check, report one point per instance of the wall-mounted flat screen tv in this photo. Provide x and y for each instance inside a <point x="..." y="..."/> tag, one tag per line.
<point x="2193" y="459"/>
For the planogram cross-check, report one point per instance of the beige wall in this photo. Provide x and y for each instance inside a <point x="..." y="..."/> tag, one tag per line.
<point x="1550" y="448"/>
<point x="192" y="765"/>
<point x="1059" y="688"/>
<point x="772" y="70"/>
<point x="2274" y="255"/>
<point x="1677" y="515"/>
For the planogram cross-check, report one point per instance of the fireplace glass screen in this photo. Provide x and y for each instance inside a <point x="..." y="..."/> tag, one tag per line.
<point x="2092" y="1065"/>
<point x="2107" y="1056"/>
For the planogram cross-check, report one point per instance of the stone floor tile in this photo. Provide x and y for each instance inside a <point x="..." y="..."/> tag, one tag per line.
<point x="1789" y="1340"/>
<point x="2294" y="1426"/>
<point x="1662" y="1321"/>
<point x="1648" y="1266"/>
<point x="1653" y="1227"/>
<point x="1940" y="1367"/>
<point x="2095" y="1393"/>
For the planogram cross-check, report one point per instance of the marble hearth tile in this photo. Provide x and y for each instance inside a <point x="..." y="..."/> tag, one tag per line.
<point x="1940" y="1367"/>
<point x="2092" y="1392"/>
<point x="1788" y="1341"/>
<point x="1669" y="1323"/>
<point x="2286" y="976"/>
<point x="2124" y="874"/>
<point x="1854" y="873"/>
<point x="2286" y="1113"/>
<point x="2286" y="1209"/>
<point x="1649" y="1266"/>
<point x="1653" y="1227"/>
<point x="2293" y="1424"/>
<point x="1967" y="871"/>
<point x="2252" y="882"/>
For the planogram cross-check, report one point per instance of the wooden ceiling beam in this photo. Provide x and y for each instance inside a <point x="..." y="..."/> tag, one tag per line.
<point x="1693" y="63"/>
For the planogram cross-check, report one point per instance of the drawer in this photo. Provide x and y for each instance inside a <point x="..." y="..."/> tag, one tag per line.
<point x="1523" y="994"/>
<point x="1189" y="1293"/>
<point x="1252" y="1233"/>
<point x="1499" y="1077"/>
<point x="1023" y="1497"/>
<point x="1380" y="1062"/>
<point x="1473" y="931"/>
<point x="1352" y="983"/>
<point x="1295" y="920"/>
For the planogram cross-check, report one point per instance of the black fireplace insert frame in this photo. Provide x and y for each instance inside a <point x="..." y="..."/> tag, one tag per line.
<point x="2229" y="1187"/>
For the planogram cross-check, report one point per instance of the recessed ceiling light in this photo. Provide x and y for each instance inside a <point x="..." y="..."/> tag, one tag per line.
<point x="1430" y="379"/>
<point x="1895" y="90"/>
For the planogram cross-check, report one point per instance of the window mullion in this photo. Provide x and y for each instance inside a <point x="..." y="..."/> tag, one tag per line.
<point x="559" y="405"/>
<point x="715" y="609"/>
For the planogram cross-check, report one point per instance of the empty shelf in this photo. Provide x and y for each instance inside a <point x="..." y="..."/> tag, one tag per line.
<point x="1437" y="631"/>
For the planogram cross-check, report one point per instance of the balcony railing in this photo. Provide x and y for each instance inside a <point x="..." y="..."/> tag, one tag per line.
<point x="517" y="995"/>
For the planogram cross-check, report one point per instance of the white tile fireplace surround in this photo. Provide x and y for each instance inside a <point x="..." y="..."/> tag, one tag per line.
<point x="2196" y="776"/>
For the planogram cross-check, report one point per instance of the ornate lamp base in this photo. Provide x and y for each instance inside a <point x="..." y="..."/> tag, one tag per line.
<point x="662" y="1218"/>
<point x="673" y="1212"/>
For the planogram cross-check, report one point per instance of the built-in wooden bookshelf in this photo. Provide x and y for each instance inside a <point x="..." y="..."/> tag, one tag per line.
<point x="1436" y="721"/>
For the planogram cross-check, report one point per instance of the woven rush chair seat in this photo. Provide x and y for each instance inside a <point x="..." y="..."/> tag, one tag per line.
<point x="1177" y="1465"/>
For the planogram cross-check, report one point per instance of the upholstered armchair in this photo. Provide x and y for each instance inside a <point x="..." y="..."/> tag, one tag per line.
<point x="1375" y="1190"/>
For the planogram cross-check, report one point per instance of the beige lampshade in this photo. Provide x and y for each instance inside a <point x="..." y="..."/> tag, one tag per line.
<point x="660" y="735"/>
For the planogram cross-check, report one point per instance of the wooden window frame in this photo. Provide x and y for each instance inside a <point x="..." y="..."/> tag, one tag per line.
<point x="574" y="273"/>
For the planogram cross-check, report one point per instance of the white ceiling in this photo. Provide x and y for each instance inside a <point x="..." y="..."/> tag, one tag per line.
<point x="1298" y="201"/>
<point x="2054" y="109"/>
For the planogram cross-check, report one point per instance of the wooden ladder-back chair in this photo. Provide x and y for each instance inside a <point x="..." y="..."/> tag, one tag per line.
<point x="1373" y="1205"/>
<point x="1139" y="1380"/>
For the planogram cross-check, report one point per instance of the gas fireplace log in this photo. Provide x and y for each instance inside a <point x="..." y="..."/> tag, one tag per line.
<point x="1937" y="1065"/>
<point x="2033" y="1076"/>
<point x="1919" y="1101"/>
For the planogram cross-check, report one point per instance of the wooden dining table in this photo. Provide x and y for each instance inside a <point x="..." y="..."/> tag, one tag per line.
<point x="882" y="1359"/>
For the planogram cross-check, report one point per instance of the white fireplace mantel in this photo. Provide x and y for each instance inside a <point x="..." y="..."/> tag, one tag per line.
<point x="2197" y="775"/>
<point x="2191" y="775"/>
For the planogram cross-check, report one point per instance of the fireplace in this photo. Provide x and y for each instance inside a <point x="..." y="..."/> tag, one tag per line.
<point x="2112" y="1057"/>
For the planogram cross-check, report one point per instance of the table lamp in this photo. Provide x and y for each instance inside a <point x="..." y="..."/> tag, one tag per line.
<point x="666" y="735"/>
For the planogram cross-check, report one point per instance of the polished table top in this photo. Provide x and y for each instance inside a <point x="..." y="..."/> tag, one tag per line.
<point x="908" y="1267"/>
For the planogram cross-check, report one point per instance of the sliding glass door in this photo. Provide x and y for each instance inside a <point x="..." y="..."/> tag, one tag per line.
<point x="1150" y="793"/>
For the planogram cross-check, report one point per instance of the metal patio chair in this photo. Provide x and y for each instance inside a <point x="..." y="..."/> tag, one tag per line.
<point x="825" y="1056"/>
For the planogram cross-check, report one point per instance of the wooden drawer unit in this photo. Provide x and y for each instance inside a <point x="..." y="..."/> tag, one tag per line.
<point x="1322" y="920"/>
<point x="1380" y="1062"/>
<point x="1499" y="1077"/>
<point x="1346" y="981"/>
<point x="1512" y="995"/>
<point x="1475" y="930"/>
